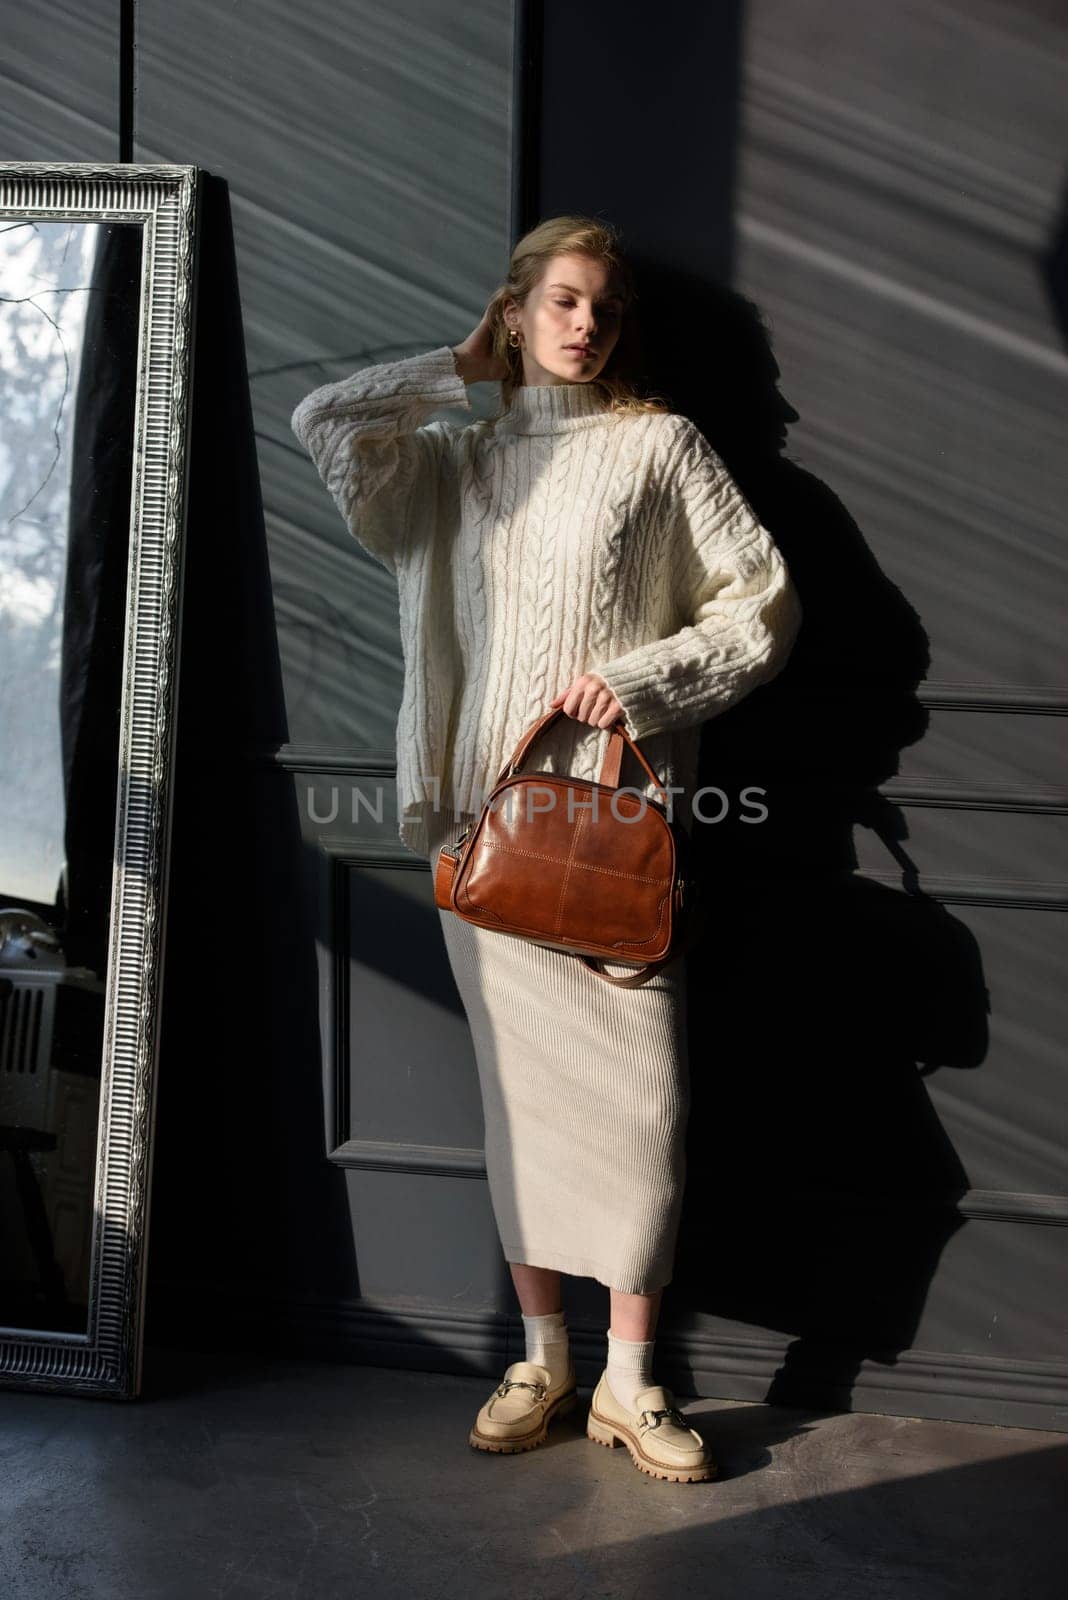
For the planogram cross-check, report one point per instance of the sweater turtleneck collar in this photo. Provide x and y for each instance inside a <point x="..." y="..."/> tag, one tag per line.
<point x="552" y="407"/>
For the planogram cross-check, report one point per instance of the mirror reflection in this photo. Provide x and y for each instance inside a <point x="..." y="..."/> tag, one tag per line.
<point x="69" y="315"/>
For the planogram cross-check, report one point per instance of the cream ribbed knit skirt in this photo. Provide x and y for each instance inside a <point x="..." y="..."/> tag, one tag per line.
<point x="585" y="1098"/>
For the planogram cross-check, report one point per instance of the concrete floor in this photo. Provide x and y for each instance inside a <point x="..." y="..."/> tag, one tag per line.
<point x="257" y="1479"/>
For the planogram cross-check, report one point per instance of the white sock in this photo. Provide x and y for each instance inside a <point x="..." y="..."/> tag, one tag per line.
<point x="547" y="1342"/>
<point x="629" y="1368"/>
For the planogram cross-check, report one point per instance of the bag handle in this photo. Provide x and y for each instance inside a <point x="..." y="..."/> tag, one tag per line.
<point x="613" y="756"/>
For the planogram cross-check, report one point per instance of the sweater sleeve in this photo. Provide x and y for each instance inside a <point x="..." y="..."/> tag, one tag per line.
<point x="364" y="435"/>
<point x="732" y="592"/>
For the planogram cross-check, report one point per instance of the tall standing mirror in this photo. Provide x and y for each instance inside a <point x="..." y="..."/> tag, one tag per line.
<point x="97" y="277"/>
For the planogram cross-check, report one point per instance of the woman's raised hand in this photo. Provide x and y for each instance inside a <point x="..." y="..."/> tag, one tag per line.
<point x="475" y="360"/>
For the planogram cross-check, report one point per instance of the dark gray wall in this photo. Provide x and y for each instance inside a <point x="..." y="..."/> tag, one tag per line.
<point x="877" y="1202"/>
<point x="877" y="1157"/>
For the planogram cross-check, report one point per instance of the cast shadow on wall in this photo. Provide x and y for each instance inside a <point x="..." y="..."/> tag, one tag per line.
<point x="822" y="1187"/>
<point x="246" y="1211"/>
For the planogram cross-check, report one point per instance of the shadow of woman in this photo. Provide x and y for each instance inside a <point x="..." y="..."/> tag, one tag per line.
<point x="822" y="1188"/>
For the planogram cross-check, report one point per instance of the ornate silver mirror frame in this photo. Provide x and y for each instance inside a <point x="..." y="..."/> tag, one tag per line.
<point x="79" y="1036"/>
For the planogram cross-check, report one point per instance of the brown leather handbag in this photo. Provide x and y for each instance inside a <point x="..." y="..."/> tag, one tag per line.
<point x="581" y="866"/>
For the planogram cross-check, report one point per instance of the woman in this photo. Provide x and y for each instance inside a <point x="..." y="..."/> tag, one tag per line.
<point x="585" y="549"/>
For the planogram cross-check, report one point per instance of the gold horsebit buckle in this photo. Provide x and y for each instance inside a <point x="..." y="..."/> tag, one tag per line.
<point x="522" y="1383"/>
<point x="670" y="1412"/>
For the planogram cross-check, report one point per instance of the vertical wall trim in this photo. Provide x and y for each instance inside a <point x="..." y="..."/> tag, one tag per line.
<point x="126" y="79"/>
<point x="526" y="116"/>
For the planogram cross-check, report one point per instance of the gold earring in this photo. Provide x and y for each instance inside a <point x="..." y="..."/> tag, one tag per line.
<point x="513" y="338"/>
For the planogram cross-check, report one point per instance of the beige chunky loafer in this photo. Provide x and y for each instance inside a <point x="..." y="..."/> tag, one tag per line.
<point x="660" y="1440"/>
<point x="518" y="1412"/>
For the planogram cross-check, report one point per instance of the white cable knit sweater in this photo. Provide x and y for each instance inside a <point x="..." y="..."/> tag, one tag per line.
<point x="559" y="540"/>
